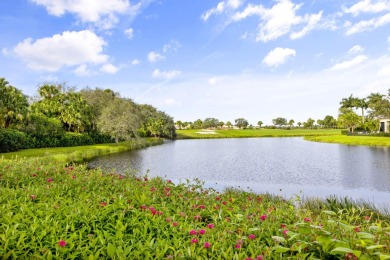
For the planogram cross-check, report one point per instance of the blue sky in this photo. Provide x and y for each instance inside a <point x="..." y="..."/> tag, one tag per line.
<point x="197" y="59"/>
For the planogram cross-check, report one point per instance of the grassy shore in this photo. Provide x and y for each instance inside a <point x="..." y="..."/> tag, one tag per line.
<point x="197" y="134"/>
<point x="82" y="153"/>
<point x="351" y="140"/>
<point x="48" y="211"/>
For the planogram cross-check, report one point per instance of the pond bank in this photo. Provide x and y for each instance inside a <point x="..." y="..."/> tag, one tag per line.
<point x="351" y="140"/>
<point x="82" y="153"/>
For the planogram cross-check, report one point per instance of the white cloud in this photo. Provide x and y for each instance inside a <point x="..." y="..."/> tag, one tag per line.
<point x="368" y="6"/>
<point x="356" y="49"/>
<point x="135" y="62"/>
<point x="384" y="72"/>
<point x="83" y="71"/>
<point x="166" y="74"/>
<point x="278" y="56"/>
<point x="109" y="68"/>
<point x="5" y="52"/>
<point x="349" y="63"/>
<point x="129" y="33"/>
<point x="62" y="50"/>
<point x="312" y="21"/>
<point x="155" y="56"/>
<point x="102" y="13"/>
<point x="214" y="81"/>
<point x="368" y="25"/>
<point x="222" y="7"/>
<point x="279" y="20"/>
<point x="173" y="45"/>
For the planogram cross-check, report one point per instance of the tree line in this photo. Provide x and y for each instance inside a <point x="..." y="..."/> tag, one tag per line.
<point x="59" y="112"/>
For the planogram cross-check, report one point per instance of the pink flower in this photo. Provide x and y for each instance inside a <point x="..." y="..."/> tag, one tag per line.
<point x="34" y="175"/>
<point x="197" y="217"/>
<point x="194" y="241"/>
<point x="224" y="202"/>
<point x="367" y="217"/>
<point x="74" y="177"/>
<point x="33" y="197"/>
<point x="356" y="229"/>
<point x="103" y="204"/>
<point x="193" y="232"/>
<point x="238" y="246"/>
<point x="202" y="232"/>
<point x="202" y="206"/>
<point x="251" y="236"/>
<point x="62" y="243"/>
<point x="142" y="207"/>
<point x="182" y="214"/>
<point x="210" y="226"/>
<point x="49" y="180"/>
<point x="152" y="189"/>
<point x="260" y="257"/>
<point x="175" y="224"/>
<point x="207" y="245"/>
<point x="307" y="219"/>
<point x="168" y="220"/>
<point x="283" y="225"/>
<point x="169" y="181"/>
<point x="285" y="232"/>
<point x="263" y="217"/>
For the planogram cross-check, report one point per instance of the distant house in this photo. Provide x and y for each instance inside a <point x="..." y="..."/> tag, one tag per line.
<point x="384" y="125"/>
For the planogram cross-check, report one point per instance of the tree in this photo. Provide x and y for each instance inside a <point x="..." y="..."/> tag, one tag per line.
<point x="309" y="123"/>
<point x="179" y="124"/>
<point x="280" y="121"/>
<point x="260" y="123"/>
<point x="363" y="104"/>
<point x="321" y="123"/>
<point x="299" y="124"/>
<point x="349" y="120"/>
<point x="210" y="123"/>
<point x="329" y="122"/>
<point x="221" y="124"/>
<point x="229" y="124"/>
<point x="120" y="123"/>
<point x="291" y="122"/>
<point x="241" y="123"/>
<point x="348" y="103"/>
<point x="13" y="104"/>
<point x="197" y="124"/>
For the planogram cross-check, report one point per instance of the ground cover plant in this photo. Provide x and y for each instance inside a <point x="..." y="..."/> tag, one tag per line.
<point x="193" y="134"/>
<point x="83" y="153"/>
<point x="351" y="140"/>
<point x="48" y="210"/>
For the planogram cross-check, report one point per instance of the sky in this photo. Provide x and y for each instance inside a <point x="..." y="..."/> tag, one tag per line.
<point x="225" y="59"/>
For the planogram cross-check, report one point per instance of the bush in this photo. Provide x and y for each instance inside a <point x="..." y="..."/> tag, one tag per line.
<point x="75" y="139"/>
<point x="13" y="140"/>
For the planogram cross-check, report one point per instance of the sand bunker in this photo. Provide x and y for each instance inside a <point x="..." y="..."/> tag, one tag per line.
<point x="207" y="133"/>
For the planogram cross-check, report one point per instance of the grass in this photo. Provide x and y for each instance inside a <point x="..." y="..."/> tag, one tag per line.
<point x="81" y="153"/>
<point x="48" y="211"/>
<point x="192" y="134"/>
<point x="351" y="140"/>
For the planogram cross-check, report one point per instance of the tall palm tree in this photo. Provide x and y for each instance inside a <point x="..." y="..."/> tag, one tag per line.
<point x="363" y="104"/>
<point x="348" y="103"/>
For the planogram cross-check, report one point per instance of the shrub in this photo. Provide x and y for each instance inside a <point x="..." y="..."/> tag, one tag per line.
<point x="75" y="139"/>
<point x="13" y="140"/>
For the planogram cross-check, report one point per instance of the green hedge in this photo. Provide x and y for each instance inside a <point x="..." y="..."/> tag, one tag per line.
<point x="13" y="140"/>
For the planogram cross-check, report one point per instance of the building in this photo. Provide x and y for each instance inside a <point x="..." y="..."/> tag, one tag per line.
<point x="384" y="125"/>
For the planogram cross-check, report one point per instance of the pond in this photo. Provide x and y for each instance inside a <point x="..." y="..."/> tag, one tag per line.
<point x="283" y="166"/>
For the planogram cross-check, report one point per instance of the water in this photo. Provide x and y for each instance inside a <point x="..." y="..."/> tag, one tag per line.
<point x="284" y="166"/>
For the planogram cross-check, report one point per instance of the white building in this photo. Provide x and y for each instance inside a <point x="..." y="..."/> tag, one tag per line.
<point x="384" y="125"/>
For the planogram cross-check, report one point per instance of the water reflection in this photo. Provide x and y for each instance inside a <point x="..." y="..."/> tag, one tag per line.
<point x="277" y="165"/>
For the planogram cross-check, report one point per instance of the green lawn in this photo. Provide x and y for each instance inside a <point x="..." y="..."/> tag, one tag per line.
<point x="351" y="140"/>
<point x="192" y="134"/>
<point x="81" y="153"/>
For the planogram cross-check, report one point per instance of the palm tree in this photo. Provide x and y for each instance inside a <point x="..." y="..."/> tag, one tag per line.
<point x="348" y="103"/>
<point x="363" y="104"/>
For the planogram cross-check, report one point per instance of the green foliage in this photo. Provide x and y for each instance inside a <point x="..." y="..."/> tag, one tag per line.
<point x="13" y="104"/>
<point x="241" y="123"/>
<point x="210" y="123"/>
<point x="12" y="140"/>
<point x="51" y="211"/>
<point x="280" y="121"/>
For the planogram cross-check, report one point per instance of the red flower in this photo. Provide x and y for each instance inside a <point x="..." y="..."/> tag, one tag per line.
<point x="263" y="217"/>
<point x="210" y="226"/>
<point x="197" y="217"/>
<point x="33" y="197"/>
<point x="74" y="177"/>
<point x="207" y="245"/>
<point x="49" y="180"/>
<point x="143" y="207"/>
<point x="152" y="189"/>
<point x="285" y="232"/>
<point x="175" y="224"/>
<point x="367" y="217"/>
<point x="307" y="219"/>
<point x="224" y="202"/>
<point x="251" y="236"/>
<point x="356" y="229"/>
<point x="34" y="175"/>
<point x="193" y="232"/>
<point x="238" y="246"/>
<point x="103" y="204"/>
<point x="202" y="232"/>
<point x="260" y="257"/>
<point x="62" y="243"/>
<point x="168" y="220"/>
<point x="283" y="225"/>
<point x="194" y="241"/>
